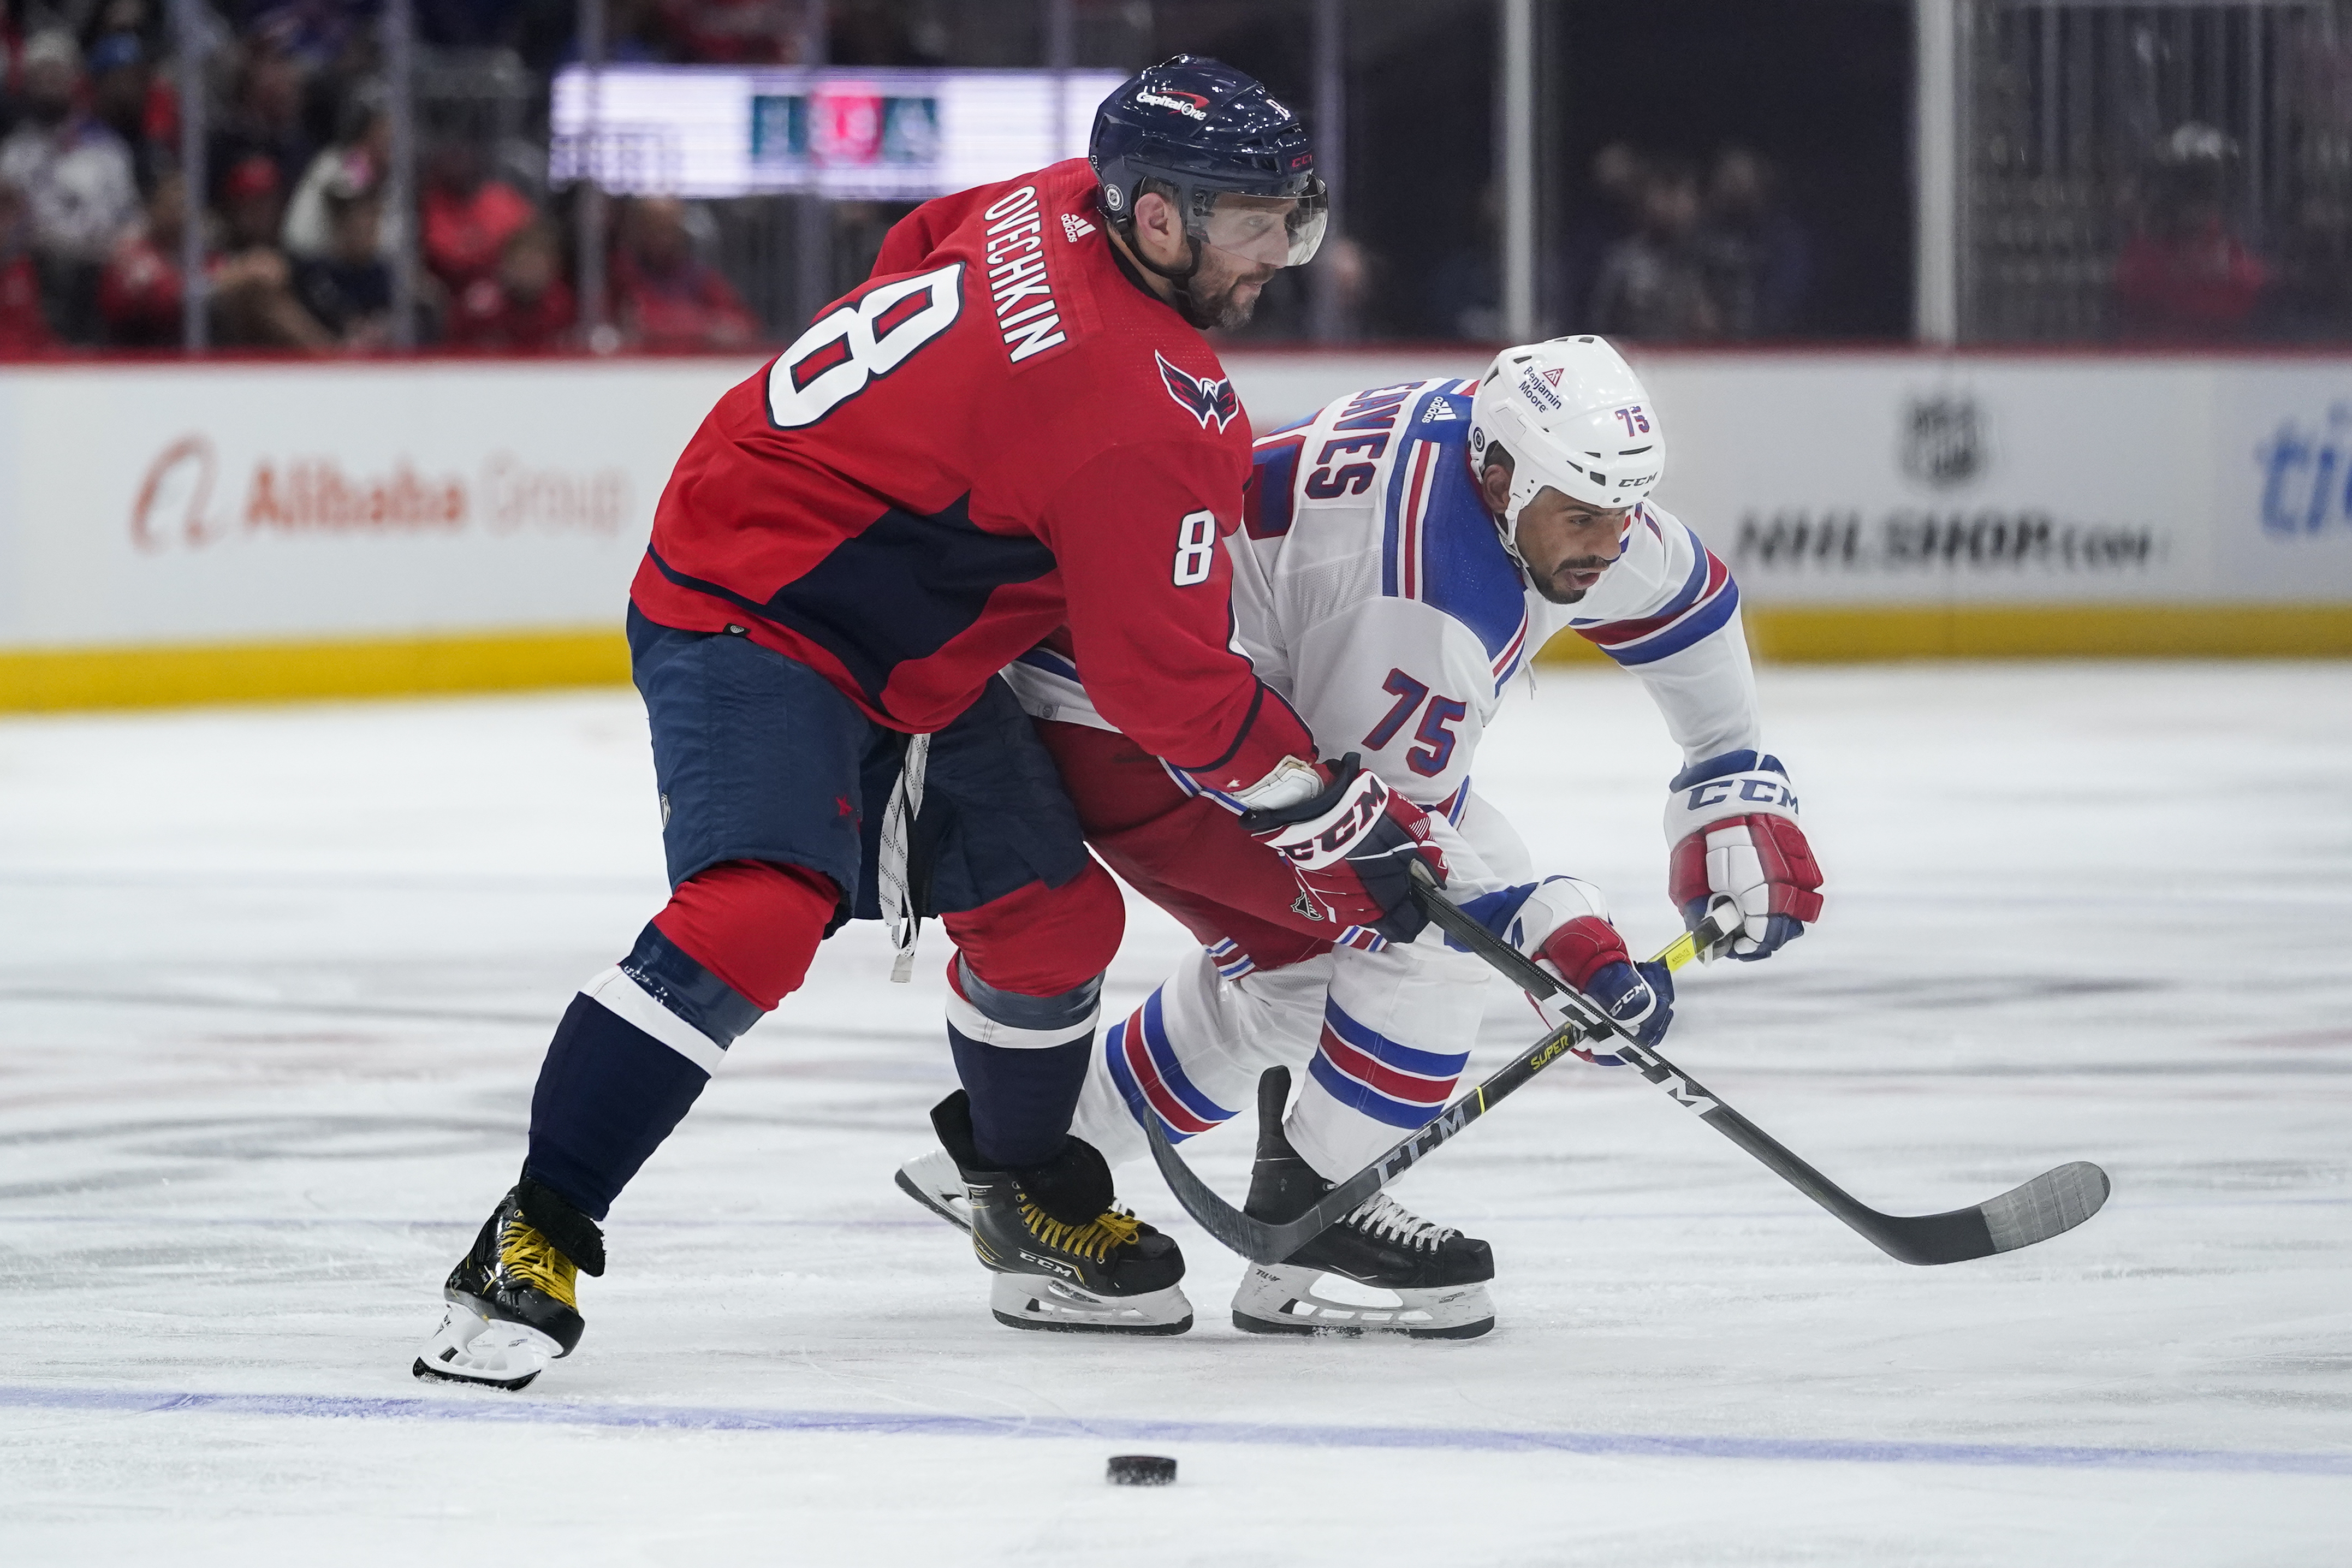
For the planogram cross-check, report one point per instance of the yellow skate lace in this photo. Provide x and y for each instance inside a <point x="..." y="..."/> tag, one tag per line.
<point x="533" y="1260"/>
<point x="1093" y="1239"/>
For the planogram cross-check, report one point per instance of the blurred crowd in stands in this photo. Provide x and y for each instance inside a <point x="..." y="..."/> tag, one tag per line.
<point x="1682" y="253"/>
<point x="2188" y="271"/>
<point x="297" y="239"/>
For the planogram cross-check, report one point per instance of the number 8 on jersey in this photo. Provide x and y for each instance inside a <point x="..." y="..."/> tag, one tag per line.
<point x="834" y="360"/>
<point x="1196" y="547"/>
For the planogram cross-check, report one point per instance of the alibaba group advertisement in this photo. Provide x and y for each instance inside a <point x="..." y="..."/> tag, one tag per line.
<point x="193" y="504"/>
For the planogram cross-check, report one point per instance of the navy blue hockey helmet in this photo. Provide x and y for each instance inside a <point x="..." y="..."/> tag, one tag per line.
<point x="1239" y="163"/>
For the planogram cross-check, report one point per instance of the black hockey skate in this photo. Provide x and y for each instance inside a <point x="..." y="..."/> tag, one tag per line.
<point x="513" y="1298"/>
<point x="1103" y="1271"/>
<point x="1411" y="1276"/>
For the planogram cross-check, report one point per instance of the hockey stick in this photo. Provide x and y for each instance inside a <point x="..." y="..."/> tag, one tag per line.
<point x="2054" y="1202"/>
<point x="1264" y="1243"/>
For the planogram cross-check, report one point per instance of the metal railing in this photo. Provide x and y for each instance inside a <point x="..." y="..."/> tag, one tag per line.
<point x="2089" y="125"/>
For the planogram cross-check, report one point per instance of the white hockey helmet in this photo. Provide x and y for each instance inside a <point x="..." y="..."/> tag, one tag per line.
<point x="1573" y="416"/>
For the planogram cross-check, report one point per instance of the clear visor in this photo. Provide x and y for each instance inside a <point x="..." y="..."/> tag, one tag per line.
<point x="1266" y="231"/>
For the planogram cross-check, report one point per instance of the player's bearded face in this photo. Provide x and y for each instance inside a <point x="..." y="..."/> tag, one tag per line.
<point x="1213" y="276"/>
<point x="1224" y="291"/>
<point x="1567" y="545"/>
<point x="1241" y="244"/>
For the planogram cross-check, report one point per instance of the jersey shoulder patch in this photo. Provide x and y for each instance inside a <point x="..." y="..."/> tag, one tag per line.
<point x="1202" y="397"/>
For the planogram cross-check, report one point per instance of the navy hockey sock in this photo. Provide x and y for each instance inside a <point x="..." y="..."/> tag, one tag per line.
<point x="1023" y="1059"/>
<point x="629" y="1058"/>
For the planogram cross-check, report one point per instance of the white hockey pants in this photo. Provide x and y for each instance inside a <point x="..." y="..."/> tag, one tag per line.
<point x="1376" y="1039"/>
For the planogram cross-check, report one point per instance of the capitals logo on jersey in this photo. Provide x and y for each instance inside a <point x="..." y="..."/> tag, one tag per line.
<point x="1199" y="397"/>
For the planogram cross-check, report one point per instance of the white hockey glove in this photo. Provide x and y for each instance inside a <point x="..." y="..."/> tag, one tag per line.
<point x="1732" y="823"/>
<point x="1564" y="927"/>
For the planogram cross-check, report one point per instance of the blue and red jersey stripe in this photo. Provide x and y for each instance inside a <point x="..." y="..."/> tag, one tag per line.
<point x="1700" y="608"/>
<point x="1147" y="1075"/>
<point x="1383" y="1078"/>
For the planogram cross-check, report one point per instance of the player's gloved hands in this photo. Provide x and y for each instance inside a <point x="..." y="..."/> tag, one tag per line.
<point x="1587" y="953"/>
<point x="1352" y="848"/>
<point x="1732" y="821"/>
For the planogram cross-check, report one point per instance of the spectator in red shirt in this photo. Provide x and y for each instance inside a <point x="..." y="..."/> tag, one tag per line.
<point x="468" y="217"/>
<point x="669" y="300"/>
<point x="140" y="294"/>
<point x="527" y="308"/>
<point x="2184" y="276"/>
<point x="23" y="330"/>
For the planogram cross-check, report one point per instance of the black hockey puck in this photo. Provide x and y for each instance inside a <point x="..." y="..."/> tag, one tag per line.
<point x="1142" y="1470"/>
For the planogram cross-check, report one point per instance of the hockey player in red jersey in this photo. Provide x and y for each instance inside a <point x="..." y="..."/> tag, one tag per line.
<point x="1016" y="425"/>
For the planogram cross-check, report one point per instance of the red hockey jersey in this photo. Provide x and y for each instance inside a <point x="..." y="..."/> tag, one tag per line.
<point x="999" y="434"/>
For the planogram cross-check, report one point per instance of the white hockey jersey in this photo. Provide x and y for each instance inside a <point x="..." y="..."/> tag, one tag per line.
<point x="1371" y="589"/>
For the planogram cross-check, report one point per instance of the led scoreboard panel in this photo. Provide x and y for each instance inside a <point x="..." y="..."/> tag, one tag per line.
<point x="729" y="130"/>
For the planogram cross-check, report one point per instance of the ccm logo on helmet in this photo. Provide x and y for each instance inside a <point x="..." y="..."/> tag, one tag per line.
<point x="1190" y="104"/>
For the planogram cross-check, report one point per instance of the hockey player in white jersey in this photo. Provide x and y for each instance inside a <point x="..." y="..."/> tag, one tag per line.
<point x="1404" y="553"/>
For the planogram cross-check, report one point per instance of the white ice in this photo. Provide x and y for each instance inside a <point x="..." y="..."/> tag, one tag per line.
<point x="276" y="983"/>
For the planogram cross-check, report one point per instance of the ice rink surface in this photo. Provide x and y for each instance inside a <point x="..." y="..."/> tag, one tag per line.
<point x="278" y="981"/>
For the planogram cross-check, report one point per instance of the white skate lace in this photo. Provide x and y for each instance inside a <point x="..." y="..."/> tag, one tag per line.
<point x="1383" y="1218"/>
<point x="891" y="869"/>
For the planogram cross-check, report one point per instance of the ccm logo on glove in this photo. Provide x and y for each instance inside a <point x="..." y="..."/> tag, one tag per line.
<point x="1311" y="847"/>
<point x="1749" y="789"/>
<point x="1732" y="823"/>
<point x="1352" y="848"/>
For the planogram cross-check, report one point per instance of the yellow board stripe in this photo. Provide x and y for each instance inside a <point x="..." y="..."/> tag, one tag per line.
<point x="33" y="679"/>
<point x="42" y="680"/>
<point x="1827" y="635"/>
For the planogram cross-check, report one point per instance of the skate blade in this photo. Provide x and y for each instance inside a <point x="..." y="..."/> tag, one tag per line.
<point x="955" y="1209"/>
<point x="1034" y="1301"/>
<point x="1280" y="1299"/>
<point x="470" y="1348"/>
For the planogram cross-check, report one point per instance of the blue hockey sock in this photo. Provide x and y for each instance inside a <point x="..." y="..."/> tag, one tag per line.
<point x="1022" y="1061"/>
<point x="629" y="1058"/>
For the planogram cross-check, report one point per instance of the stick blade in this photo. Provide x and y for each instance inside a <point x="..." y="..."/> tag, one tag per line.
<point x="2050" y="1205"/>
<point x="1253" y="1240"/>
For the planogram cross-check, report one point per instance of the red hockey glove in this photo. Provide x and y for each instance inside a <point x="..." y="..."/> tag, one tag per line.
<point x="1732" y="821"/>
<point x="1352" y="848"/>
